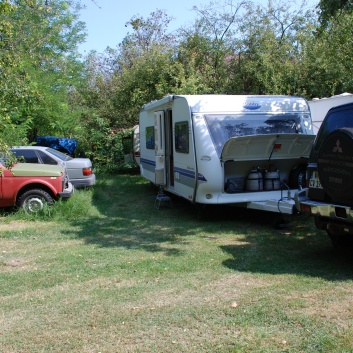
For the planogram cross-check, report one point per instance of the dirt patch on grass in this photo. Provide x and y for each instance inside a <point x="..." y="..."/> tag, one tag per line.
<point x="15" y="225"/>
<point x="21" y="225"/>
<point x="15" y="263"/>
<point x="335" y="304"/>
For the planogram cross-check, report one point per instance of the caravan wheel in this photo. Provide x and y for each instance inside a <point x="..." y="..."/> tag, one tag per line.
<point x="297" y="176"/>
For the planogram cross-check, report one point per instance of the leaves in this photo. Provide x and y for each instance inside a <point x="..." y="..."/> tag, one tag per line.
<point x="231" y="48"/>
<point x="37" y="62"/>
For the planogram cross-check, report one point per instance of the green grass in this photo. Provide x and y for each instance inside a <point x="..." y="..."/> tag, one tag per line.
<point x="107" y="272"/>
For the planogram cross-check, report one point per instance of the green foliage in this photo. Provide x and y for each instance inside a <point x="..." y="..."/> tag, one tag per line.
<point x="270" y="57"/>
<point x="102" y="144"/>
<point x="280" y="47"/>
<point x="37" y="63"/>
<point x="151" y="77"/>
<point x="331" y="9"/>
<point x="208" y="45"/>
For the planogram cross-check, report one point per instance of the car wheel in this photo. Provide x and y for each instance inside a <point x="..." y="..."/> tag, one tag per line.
<point x="33" y="201"/>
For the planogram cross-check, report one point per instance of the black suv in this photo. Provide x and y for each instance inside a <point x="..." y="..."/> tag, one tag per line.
<point x="329" y="196"/>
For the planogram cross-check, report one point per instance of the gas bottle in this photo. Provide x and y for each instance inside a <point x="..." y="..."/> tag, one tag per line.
<point x="271" y="180"/>
<point x="254" y="181"/>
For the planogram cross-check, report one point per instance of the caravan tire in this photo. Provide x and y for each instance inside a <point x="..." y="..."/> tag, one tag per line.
<point x="335" y="165"/>
<point x="297" y="176"/>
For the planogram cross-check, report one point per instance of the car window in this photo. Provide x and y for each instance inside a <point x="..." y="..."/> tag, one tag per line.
<point x="62" y="156"/>
<point x="46" y="159"/>
<point x="28" y="155"/>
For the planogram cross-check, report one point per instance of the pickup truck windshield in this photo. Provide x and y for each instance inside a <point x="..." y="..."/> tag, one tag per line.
<point x="224" y="127"/>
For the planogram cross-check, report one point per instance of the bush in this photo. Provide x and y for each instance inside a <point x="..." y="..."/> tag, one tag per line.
<point x="105" y="146"/>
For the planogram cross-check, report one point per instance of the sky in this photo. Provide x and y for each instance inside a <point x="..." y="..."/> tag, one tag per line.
<point x="105" y="24"/>
<point x="105" y="19"/>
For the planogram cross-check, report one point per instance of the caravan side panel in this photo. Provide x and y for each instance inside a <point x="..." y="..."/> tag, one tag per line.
<point x="209" y="168"/>
<point x="185" y="171"/>
<point x="147" y="152"/>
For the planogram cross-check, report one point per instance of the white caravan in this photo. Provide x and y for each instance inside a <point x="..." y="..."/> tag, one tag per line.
<point x="134" y="156"/>
<point x="320" y="107"/>
<point x="249" y="151"/>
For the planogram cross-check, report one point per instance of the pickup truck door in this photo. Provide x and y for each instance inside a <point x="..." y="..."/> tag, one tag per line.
<point x="1" y="177"/>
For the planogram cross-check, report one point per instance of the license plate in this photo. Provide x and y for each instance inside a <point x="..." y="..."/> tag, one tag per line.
<point x="314" y="181"/>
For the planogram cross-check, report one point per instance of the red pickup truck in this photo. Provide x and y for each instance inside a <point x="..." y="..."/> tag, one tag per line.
<point x="32" y="186"/>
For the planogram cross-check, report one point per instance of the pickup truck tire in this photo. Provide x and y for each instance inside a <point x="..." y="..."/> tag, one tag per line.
<point x="335" y="165"/>
<point x="33" y="201"/>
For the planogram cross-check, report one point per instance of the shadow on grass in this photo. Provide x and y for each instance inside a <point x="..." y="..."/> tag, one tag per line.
<point x="301" y="250"/>
<point x="127" y="218"/>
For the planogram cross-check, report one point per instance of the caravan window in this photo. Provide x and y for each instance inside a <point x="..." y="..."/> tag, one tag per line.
<point x="223" y="127"/>
<point x="182" y="137"/>
<point x="150" y="137"/>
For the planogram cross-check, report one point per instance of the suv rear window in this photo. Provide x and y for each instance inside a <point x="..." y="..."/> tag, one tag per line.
<point x="337" y="118"/>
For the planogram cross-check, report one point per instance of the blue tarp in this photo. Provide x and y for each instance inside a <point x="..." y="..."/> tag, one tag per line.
<point x="61" y="144"/>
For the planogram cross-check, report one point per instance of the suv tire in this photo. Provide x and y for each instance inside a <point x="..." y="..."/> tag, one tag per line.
<point x="335" y="165"/>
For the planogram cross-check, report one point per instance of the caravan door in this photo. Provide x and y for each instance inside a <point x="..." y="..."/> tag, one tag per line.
<point x="159" y="140"/>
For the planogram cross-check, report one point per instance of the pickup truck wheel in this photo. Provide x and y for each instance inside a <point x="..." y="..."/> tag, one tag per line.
<point x="33" y="201"/>
<point x="335" y="165"/>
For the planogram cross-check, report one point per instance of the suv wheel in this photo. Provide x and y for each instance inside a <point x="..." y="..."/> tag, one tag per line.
<point x="33" y="201"/>
<point x="340" y="240"/>
<point x="335" y="165"/>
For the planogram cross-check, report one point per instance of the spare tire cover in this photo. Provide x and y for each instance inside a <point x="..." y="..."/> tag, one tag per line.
<point x="335" y="164"/>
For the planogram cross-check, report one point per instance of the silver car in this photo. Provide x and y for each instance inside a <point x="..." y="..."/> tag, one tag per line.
<point x="80" y="170"/>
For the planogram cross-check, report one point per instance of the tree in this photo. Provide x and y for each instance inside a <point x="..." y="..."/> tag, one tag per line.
<point x="268" y="59"/>
<point x="147" y="34"/>
<point x="330" y="9"/>
<point x="206" y="47"/>
<point x="142" y="69"/>
<point x="16" y="92"/>
<point x="328" y="62"/>
<point x="40" y="63"/>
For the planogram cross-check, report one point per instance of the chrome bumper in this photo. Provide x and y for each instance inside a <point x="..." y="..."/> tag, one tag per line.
<point x="335" y="212"/>
<point x="67" y="192"/>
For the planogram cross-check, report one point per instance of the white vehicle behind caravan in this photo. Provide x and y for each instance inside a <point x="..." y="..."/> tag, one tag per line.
<point x="320" y="106"/>
<point x="248" y="151"/>
<point x="133" y="157"/>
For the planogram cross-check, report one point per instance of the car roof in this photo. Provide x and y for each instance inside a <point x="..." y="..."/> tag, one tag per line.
<point x="29" y="147"/>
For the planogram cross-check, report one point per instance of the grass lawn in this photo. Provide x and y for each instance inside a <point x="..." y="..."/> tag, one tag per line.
<point x="107" y="272"/>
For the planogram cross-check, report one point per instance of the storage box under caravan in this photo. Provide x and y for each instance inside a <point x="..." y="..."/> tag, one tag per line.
<point x="249" y="151"/>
